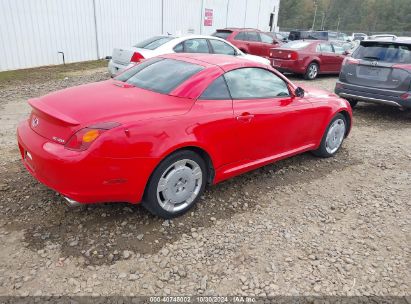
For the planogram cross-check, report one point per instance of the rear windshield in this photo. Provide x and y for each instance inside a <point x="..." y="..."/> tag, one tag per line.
<point x="159" y="74"/>
<point x="222" y="34"/>
<point x="153" y="42"/>
<point x="296" y="45"/>
<point x="386" y="52"/>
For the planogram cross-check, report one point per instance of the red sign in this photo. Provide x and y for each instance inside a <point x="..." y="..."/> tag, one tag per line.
<point x="208" y="17"/>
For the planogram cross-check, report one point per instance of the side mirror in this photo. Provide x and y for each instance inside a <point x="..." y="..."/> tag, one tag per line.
<point x="346" y="53"/>
<point x="299" y="92"/>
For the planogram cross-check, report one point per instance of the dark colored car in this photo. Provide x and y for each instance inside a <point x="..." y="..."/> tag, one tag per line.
<point x="317" y="35"/>
<point x="379" y="71"/>
<point x="280" y="37"/>
<point x="251" y="41"/>
<point x="308" y="58"/>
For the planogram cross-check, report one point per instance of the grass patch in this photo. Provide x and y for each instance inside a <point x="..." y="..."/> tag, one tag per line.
<point x="49" y="72"/>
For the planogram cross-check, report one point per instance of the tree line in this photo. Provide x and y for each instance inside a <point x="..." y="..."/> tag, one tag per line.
<point x="347" y="15"/>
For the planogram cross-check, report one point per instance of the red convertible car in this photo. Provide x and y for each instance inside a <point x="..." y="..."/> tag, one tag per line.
<point x="163" y="129"/>
<point x="309" y="57"/>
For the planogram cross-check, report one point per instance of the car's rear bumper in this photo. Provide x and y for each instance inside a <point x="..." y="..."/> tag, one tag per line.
<point x="83" y="176"/>
<point x="372" y="95"/>
<point x="288" y="66"/>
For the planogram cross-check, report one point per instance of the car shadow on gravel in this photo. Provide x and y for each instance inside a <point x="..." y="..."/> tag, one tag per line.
<point x="102" y="233"/>
<point x="386" y="117"/>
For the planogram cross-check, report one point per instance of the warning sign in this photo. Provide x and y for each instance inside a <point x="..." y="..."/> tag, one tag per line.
<point x="208" y="17"/>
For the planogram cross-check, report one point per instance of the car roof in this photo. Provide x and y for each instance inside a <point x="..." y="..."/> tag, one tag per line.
<point x="239" y="29"/>
<point x="399" y="40"/>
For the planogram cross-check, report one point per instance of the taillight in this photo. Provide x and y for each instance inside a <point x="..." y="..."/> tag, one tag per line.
<point x="293" y="56"/>
<point x="350" y="60"/>
<point x="271" y="54"/>
<point x="405" y="96"/>
<point x="83" y="138"/>
<point x="137" y="57"/>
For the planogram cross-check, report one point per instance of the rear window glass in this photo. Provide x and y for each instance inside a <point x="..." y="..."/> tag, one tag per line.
<point x="153" y="42"/>
<point x="222" y="35"/>
<point x="159" y="75"/>
<point x="296" y="45"/>
<point x="391" y="53"/>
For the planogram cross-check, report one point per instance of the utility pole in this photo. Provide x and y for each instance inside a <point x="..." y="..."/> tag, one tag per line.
<point x="315" y="13"/>
<point x="338" y="24"/>
<point x="322" y="21"/>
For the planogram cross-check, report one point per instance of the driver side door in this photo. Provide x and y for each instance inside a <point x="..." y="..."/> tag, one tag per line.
<point x="270" y="122"/>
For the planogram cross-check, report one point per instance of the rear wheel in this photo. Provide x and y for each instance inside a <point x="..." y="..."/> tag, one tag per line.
<point x="176" y="184"/>
<point x="312" y="71"/>
<point x="333" y="137"/>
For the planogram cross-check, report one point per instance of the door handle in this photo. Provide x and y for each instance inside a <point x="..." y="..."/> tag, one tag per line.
<point x="245" y="117"/>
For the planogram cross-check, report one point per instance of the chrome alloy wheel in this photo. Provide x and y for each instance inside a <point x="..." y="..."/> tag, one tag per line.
<point x="312" y="71"/>
<point x="335" y="136"/>
<point x="179" y="185"/>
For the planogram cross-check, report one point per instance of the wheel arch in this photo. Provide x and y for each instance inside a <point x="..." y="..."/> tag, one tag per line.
<point x="348" y="120"/>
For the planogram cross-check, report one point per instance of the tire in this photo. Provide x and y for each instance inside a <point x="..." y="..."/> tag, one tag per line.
<point x="333" y="137"/>
<point x="352" y="102"/>
<point x="176" y="184"/>
<point x="312" y="71"/>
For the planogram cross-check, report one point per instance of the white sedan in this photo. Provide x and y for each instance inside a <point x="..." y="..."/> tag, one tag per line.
<point x="160" y="45"/>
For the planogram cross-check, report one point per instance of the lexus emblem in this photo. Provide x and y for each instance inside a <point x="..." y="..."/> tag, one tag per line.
<point x="34" y="122"/>
<point x="374" y="63"/>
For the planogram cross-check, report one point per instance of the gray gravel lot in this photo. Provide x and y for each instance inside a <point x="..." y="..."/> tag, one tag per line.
<point x="302" y="226"/>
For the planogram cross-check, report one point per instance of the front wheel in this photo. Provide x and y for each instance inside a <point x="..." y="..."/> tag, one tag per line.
<point x="312" y="71"/>
<point x="176" y="184"/>
<point x="333" y="137"/>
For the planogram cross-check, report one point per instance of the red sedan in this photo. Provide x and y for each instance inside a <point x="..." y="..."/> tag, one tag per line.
<point x="309" y="58"/>
<point x="163" y="129"/>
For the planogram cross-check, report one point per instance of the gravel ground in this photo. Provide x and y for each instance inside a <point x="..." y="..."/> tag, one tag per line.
<point x="303" y="226"/>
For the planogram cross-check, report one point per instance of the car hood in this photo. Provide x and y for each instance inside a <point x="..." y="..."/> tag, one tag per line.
<point x="108" y="101"/>
<point x="316" y="93"/>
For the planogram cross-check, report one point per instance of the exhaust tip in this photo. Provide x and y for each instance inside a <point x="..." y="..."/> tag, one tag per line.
<point x="72" y="203"/>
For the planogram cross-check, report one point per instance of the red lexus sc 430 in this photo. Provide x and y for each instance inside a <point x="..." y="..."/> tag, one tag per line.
<point x="162" y="130"/>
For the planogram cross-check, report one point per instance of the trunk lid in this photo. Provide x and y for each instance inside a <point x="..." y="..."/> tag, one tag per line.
<point x="282" y="54"/>
<point x="123" y="55"/>
<point x="382" y="75"/>
<point x="59" y="115"/>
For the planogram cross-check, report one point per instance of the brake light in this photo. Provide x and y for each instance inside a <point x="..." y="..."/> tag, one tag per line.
<point x="83" y="138"/>
<point x="293" y="56"/>
<point x="405" y="96"/>
<point x="350" y="60"/>
<point x="137" y="57"/>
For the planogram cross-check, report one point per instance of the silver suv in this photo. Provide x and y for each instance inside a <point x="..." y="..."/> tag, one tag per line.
<point x="378" y="71"/>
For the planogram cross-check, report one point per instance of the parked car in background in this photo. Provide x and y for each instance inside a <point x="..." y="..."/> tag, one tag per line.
<point x="309" y="57"/>
<point x="250" y="41"/>
<point x="382" y="36"/>
<point x="379" y="71"/>
<point x="318" y="35"/>
<point x="358" y="36"/>
<point x="123" y="58"/>
<point x="278" y="36"/>
<point x="165" y="128"/>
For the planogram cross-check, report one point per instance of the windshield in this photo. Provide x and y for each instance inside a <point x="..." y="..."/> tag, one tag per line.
<point x="159" y="74"/>
<point x="391" y="53"/>
<point x="296" y="45"/>
<point x="221" y="34"/>
<point x="153" y="42"/>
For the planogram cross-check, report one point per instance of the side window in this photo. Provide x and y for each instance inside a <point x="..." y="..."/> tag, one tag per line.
<point x="196" y="46"/>
<point x="179" y="48"/>
<point x="326" y="48"/>
<point x="338" y="49"/>
<point x="241" y="36"/>
<point x="266" y="39"/>
<point x="253" y="36"/>
<point x="220" y="47"/>
<point x="254" y="83"/>
<point x="216" y="90"/>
